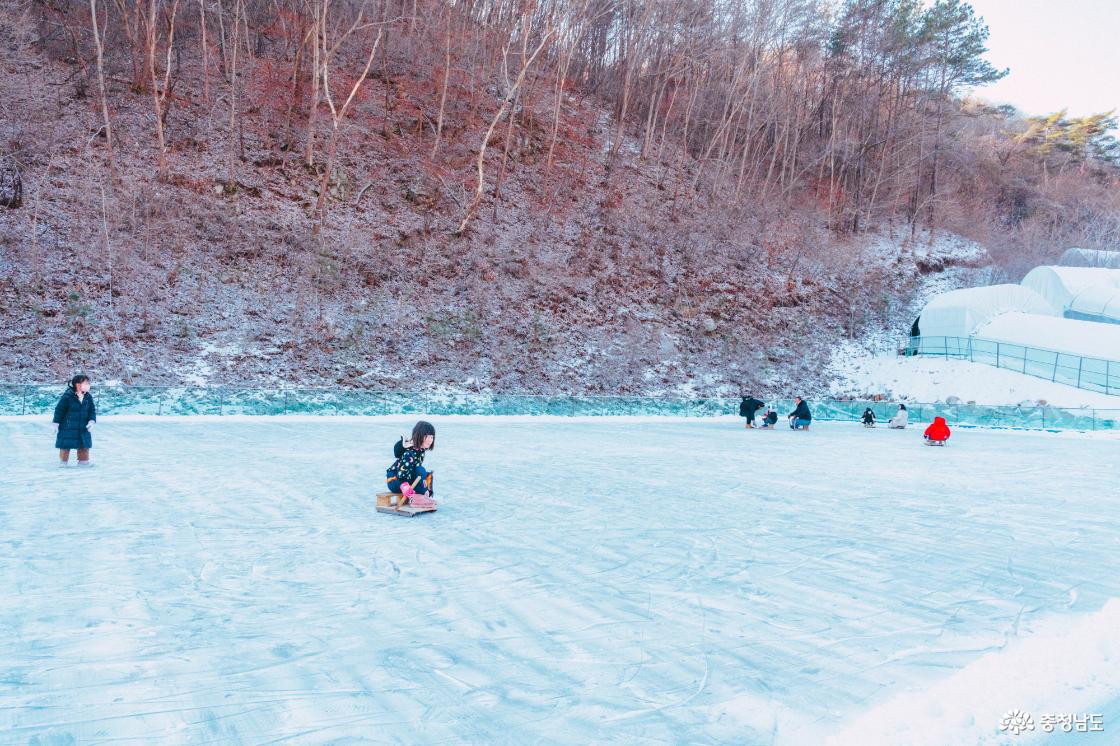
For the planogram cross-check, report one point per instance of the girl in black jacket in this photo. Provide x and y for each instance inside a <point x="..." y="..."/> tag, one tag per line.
<point x="74" y="417"/>
<point x="407" y="476"/>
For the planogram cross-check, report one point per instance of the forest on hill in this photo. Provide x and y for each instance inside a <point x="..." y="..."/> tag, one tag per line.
<point x="587" y="196"/>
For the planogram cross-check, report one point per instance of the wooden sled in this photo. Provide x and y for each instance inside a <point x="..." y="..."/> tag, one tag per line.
<point x="390" y="502"/>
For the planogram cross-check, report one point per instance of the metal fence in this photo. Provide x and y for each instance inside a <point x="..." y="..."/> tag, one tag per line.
<point x="1091" y="374"/>
<point x="39" y="399"/>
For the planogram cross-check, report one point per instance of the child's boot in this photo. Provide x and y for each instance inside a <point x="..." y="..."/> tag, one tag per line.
<point x="421" y="501"/>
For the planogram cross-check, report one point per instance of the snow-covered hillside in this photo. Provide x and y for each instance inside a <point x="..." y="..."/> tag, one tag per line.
<point x="859" y="375"/>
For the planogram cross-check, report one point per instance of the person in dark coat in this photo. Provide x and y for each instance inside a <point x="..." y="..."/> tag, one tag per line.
<point x="407" y="475"/>
<point x="74" y="417"/>
<point x="868" y="418"/>
<point x="748" y="408"/>
<point x="800" y="418"/>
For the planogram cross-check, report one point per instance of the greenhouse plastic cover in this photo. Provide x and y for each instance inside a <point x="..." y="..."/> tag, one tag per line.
<point x="1101" y="304"/>
<point x="1082" y="338"/>
<point x="959" y="312"/>
<point x="1059" y="285"/>
<point x="1090" y="258"/>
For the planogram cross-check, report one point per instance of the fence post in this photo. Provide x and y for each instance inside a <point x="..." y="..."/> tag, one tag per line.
<point x="970" y="350"/>
<point x="997" y="354"/>
<point x="1080" y="360"/>
<point x="221" y="402"/>
<point x="160" y="410"/>
<point x="1054" y="377"/>
<point x="1107" y="374"/>
<point x="23" y="408"/>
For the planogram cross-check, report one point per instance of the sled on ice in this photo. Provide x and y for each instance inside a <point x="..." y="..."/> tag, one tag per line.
<point x="393" y="503"/>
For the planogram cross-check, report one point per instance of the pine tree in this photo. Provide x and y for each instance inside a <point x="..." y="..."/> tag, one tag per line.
<point x="955" y="43"/>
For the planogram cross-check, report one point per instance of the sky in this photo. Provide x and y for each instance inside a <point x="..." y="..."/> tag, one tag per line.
<point x="1063" y="54"/>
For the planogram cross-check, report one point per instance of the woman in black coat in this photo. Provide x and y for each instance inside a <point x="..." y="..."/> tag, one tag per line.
<point x="748" y="408"/>
<point x="75" y="416"/>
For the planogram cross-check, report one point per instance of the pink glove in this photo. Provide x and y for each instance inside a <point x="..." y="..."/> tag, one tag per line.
<point x="406" y="490"/>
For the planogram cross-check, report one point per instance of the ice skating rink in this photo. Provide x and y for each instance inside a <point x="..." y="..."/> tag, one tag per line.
<point x="227" y="581"/>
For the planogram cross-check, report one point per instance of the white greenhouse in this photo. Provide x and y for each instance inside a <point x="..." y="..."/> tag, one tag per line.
<point x="1060" y="285"/>
<point x="1100" y="304"/>
<point x="1090" y="258"/>
<point x="959" y="312"/>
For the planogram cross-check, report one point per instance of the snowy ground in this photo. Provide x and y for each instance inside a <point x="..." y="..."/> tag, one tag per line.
<point x="611" y="580"/>
<point x="929" y="379"/>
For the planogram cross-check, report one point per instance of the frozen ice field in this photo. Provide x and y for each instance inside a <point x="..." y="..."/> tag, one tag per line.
<point x="227" y="581"/>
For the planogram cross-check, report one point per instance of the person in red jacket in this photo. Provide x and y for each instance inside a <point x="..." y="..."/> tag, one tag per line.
<point x="938" y="432"/>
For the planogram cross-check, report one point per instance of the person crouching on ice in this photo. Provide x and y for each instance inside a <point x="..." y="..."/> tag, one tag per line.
<point x="898" y="422"/>
<point x="868" y="418"/>
<point x="407" y="476"/>
<point x="800" y="418"/>
<point x="938" y="432"/>
<point x="769" y="419"/>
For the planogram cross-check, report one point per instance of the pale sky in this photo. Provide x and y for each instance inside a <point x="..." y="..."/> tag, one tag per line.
<point x="1063" y="54"/>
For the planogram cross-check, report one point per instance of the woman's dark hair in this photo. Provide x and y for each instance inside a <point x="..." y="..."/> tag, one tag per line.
<point x="902" y="407"/>
<point x="73" y="385"/>
<point x="421" y="431"/>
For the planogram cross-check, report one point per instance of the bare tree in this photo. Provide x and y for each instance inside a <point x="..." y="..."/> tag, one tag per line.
<point x="160" y="92"/>
<point x="97" y="34"/>
<point x="446" y="78"/>
<point x="507" y="100"/>
<point x="329" y="47"/>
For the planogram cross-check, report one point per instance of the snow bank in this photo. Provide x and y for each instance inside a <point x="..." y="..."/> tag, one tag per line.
<point x="1058" y="665"/>
<point x="930" y="379"/>
<point x="1081" y="338"/>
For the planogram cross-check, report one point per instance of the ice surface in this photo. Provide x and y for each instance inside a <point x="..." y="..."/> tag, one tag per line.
<point x="585" y="580"/>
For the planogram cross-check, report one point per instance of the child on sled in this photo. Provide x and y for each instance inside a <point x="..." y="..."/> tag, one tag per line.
<point x="407" y="476"/>
<point x="937" y="433"/>
<point x="868" y="418"/>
